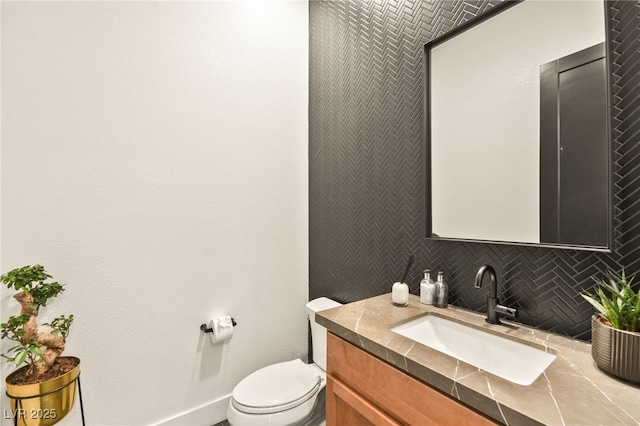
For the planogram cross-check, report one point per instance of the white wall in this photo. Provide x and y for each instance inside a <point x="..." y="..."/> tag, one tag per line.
<point x="154" y="159"/>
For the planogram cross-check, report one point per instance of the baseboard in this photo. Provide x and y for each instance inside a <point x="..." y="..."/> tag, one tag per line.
<point x="205" y="415"/>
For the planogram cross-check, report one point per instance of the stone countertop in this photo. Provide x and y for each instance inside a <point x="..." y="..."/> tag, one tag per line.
<point x="571" y="391"/>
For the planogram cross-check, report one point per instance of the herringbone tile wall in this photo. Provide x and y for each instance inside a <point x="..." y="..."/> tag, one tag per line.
<point x="367" y="174"/>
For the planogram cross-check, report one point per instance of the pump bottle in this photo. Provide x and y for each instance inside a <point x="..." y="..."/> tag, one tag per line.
<point x="441" y="296"/>
<point x="427" y="288"/>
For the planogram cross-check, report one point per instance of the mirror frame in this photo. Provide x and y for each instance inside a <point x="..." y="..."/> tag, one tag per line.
<point x="505" y="5"/>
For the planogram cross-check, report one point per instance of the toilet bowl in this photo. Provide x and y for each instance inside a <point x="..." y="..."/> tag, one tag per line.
<point x="285" y="393"/>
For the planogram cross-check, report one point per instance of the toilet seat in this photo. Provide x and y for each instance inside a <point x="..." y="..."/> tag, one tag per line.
<point x="276" y="388"/>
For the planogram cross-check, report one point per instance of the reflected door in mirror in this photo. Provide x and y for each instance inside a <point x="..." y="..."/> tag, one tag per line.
<point x="574" y="193"/>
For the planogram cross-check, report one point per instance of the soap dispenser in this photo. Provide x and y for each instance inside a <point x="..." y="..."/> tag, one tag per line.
<point x="427" y="288"/>
<point x="441" y="296"/>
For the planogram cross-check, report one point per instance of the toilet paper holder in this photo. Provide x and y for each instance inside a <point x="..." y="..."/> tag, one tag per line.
<point x="208" y="329"/>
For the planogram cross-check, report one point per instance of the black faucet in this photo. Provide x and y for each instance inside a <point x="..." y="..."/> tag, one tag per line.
<point x="494" y="310"/>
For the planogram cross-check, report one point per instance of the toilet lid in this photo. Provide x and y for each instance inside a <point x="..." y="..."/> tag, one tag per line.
<point x="276" y="388"/>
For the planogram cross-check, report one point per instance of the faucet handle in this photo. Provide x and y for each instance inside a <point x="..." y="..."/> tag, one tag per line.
<point x="510" y="313"/>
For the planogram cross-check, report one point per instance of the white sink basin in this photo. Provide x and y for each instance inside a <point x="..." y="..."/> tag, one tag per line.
<point x="513" y="361"/>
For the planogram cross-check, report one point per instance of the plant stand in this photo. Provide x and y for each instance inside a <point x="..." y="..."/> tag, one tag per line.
<point x="20" y="413"/>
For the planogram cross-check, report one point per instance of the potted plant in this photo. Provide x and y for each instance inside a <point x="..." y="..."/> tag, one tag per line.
<point x="42" y="391"/>
<point x="615" y="332"/>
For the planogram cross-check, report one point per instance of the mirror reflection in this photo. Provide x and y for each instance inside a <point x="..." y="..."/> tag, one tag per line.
<point x="517" y="126"/>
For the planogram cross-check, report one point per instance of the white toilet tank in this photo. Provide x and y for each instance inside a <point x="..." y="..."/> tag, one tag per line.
<point x="318" y="332"/>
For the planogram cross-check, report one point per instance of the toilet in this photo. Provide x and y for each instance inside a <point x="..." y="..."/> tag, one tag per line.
<point x="285" y="393"/>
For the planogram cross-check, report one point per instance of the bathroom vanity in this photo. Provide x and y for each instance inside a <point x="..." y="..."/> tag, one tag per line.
<point x="363" y="390"/>
<point x="377" y="376"/>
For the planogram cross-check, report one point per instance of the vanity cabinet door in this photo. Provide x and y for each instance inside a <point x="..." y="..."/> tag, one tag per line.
<point x="364" y="390"/>
<point x="346" y="407"/>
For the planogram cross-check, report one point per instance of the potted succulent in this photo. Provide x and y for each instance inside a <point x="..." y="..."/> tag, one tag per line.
<point x="42" y="390"/>
<point x="615" y="331"/>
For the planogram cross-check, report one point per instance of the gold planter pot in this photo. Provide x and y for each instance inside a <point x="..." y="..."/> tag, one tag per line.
<point x="44" y="403"/>
<point x="615" y="351"/>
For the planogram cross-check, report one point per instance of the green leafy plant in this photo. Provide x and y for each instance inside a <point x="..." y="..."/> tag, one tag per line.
<point x="28" y="348"/>
<point x="61" y="325"/>
<point x="36" y="348"/>
<point x="616" y="301"/>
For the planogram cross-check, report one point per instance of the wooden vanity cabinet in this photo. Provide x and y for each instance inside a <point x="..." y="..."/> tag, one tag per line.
<point x="363" y="390"/>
